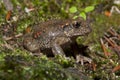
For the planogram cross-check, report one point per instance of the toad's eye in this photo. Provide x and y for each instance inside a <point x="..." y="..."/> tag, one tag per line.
<point x="77" y="24"/>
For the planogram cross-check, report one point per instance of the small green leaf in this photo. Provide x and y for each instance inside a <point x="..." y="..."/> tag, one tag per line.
<point x="89" y="8"/>
<point x="16" y="2"/>
<point x="73" y="9"/>
<point x="26" y="68"/>
<point x="83" y="15"/>
<point x="75" y="17"/>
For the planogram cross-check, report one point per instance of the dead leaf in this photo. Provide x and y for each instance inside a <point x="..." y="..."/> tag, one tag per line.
<point x="8" y="15"/>
<point x="107" y="13"/>
<point x="116" y="68"/>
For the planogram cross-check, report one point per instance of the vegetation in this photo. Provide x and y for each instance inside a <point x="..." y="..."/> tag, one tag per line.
<point x="19" y="64"/>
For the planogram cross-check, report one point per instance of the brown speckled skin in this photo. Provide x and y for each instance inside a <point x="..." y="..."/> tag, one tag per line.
<point x="55" y="35"/>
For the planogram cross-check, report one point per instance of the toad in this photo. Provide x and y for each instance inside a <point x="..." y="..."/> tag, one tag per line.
<point x="54" y="36"/>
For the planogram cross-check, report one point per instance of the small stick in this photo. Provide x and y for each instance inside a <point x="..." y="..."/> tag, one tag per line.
<point x="111" y="43"/>
<point x="104" y="48"/>
<point x="107" y="35"/>
<point x="115" y="47"/>
<point x="7" y="46"/>
<point x="16" y="36"/>
<point x="114" y="33"/>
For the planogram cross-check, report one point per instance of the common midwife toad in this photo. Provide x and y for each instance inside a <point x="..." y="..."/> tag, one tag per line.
<point x="55" y="35"/>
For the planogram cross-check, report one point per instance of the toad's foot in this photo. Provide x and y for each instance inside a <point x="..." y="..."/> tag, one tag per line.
<point x="82" y="59"/>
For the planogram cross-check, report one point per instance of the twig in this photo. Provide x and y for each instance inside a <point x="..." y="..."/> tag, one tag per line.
<point x="113" y="9"/>
<point x="106" y="34"/>
<point x="7" y="46"/>
<point x="115" y="47"/>
<point x="114" y="33"/>
<point x="104" y="48"/>
<point x="16" y="36"/>
<point x="111" y="43"/>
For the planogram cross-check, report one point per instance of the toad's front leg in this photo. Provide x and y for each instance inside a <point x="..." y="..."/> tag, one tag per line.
<point x="79" y="52"/>
<point x="57" y="49"/>
<point x="59" y="44"/>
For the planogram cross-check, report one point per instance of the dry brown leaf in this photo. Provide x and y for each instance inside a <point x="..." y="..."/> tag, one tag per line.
<point x="116" y="68"/>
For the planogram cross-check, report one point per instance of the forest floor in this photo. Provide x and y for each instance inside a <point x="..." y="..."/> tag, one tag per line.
<point x="103" y="42"/>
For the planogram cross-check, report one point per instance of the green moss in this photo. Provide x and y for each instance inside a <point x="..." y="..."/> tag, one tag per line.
<point x="30" y="67"/>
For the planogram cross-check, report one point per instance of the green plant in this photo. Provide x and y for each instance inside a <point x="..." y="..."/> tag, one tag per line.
<point x="82" y="13"/>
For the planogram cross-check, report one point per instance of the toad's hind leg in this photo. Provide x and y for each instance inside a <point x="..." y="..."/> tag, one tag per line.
<point x="57" y="49"/>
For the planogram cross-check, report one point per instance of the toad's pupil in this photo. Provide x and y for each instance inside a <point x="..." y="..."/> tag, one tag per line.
<point x="77" y="24"/>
